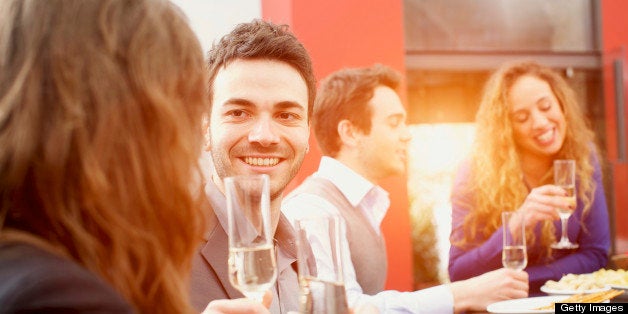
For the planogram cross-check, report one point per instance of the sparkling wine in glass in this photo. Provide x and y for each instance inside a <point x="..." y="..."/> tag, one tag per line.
<point x="565" y="177"/>
<point x="321" y="281"/>
<point x="514" y="253"/>
<point x="321" y="296"/>
<point x="252" y="261"/>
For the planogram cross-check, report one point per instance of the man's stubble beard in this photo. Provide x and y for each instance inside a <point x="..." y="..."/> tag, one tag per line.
<point x="277" y="192"/>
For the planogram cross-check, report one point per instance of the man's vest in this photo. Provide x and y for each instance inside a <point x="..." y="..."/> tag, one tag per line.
<point x="368" y="249"/>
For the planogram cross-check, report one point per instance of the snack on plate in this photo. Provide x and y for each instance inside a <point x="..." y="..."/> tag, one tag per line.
<point x="612" y="277"/>
<point x="595" y="280"/>
<point x="573" y="282"/>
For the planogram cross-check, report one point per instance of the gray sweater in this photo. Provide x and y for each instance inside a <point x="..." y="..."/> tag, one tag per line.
<point x="368" y="249"/>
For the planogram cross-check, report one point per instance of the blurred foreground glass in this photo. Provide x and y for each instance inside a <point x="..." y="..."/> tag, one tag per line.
<point x="565" y="177"/>
<point x="514" y="252"/>
<point x="252" y="261"/>
<point x="322" y="285"/>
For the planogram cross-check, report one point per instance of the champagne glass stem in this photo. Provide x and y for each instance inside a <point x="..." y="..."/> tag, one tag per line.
<point x="563" y="221"/>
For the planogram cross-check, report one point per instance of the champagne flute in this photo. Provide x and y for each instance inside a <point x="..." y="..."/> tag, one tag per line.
<point x="514" y="253"/>
<point x="565" y="177"/>
<point x="321" y="280"/>
<point x="252" y="260"/>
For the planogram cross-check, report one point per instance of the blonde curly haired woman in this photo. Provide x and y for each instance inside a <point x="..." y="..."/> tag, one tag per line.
<point x="527" y="118"/>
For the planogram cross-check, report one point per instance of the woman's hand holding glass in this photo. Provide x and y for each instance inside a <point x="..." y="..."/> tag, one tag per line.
<point x="541" y="204"/>
<point x="553" y="202"/>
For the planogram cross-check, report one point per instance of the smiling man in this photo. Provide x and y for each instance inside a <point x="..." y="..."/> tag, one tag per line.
<point x="261" y="90"/>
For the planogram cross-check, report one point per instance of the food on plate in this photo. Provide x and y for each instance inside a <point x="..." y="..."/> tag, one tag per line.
<point x="595" y="280"/>
<point x="573" y="282"/>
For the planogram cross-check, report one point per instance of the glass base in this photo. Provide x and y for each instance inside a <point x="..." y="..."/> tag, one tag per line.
<point x="254" y="295"/>
<point x="564" y="245"/>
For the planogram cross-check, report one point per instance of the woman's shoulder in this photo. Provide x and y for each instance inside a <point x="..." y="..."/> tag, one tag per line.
<point x="21" y="260"/>
<point x="36" y="279"/>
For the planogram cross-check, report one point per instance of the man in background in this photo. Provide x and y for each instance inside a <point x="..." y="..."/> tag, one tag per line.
<point x="360" y="125"/>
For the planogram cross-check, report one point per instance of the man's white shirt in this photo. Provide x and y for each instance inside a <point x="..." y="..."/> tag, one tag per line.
<point x="373" y="202"/>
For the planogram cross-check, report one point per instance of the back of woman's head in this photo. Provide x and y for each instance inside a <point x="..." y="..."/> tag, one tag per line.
<point x="100" y="105"/>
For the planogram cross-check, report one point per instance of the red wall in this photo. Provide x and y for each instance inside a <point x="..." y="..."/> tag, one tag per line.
<point x="615" y="39"/>
<point x="349" y="33"/>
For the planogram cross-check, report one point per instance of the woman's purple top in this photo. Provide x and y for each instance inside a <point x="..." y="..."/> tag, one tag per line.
<point x="484" y="255"/>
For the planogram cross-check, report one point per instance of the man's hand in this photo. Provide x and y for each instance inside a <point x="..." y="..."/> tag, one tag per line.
<point x="477" y="293"/>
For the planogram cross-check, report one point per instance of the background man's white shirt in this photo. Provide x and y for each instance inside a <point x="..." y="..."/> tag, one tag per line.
<point x="373" y="201"/>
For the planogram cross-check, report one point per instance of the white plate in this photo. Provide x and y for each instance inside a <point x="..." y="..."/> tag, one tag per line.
<point x="621" y="297"/>
<point x="526" y="305"/>
<point x="565" y="291"/>
<point x="619" y="287"/>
